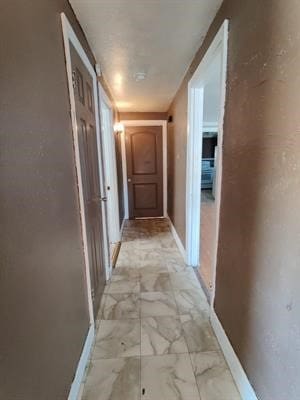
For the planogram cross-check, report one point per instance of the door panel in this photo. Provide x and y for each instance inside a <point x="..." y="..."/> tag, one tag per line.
<point x="143" y="153"/>
<point x="145" y="196"/>
<point x="89" y="164"/>
<point x="144" y="157"/>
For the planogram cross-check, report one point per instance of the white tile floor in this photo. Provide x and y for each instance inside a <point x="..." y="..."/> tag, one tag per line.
<point x="154" y="339"/>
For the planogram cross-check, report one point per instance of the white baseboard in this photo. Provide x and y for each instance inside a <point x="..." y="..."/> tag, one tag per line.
<point x="177" y="239"/>
<point x="237" y="371"/>
<point x="122" y="228"/>
<point x="76" y="387"/>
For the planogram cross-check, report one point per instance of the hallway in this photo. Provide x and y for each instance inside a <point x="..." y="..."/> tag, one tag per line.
<point x="154" y="339"/>
<point x="113" y="111"/>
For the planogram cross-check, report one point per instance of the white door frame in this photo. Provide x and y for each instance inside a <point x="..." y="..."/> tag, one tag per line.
<point x="163" y="124"/>
<point x="194" y="149"/>
<point x="70" y="36"/>
<point x="109" y="158"/>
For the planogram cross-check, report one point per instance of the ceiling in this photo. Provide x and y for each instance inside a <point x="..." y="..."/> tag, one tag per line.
<point x="158" y="38"/>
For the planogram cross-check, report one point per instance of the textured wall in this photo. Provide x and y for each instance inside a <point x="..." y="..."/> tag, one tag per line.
<point x="177" y="161"/>
<point x="43" y="305"/>
<point x="258" y="272"/>
<point x="143" y="115"/>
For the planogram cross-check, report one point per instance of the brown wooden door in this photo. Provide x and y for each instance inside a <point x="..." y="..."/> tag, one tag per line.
<point x="89" y="162"/>
<point x="144" y="157"/>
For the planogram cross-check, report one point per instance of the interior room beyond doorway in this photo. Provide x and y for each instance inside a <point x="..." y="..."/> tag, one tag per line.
<point x="211" y="113"/>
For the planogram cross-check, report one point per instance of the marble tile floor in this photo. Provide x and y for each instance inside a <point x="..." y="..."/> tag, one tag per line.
<point x="154" y="340"/>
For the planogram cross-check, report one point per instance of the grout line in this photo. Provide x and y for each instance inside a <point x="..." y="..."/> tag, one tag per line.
<point x="113" y="358"/>
<point x="173" y="291"/>
<point x="165" y="354"/>
<point x="190" y="357"/>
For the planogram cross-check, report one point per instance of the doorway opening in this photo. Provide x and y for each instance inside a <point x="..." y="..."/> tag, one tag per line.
<point x="206" y="93"/>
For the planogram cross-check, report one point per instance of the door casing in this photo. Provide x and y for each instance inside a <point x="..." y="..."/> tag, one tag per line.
<point x="144" y="152"/>
<point x="70" y="36"/>
<point x="163" y="124"/>
<point x="194" y="150"/>
<point x="109" y="158"/>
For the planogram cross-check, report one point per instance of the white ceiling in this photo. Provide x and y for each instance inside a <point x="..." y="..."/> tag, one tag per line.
<point x="158" y="37"/>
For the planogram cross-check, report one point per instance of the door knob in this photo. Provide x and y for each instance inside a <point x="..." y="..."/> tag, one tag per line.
<point x="129" y="179"/>
<point x="104" y="198"/>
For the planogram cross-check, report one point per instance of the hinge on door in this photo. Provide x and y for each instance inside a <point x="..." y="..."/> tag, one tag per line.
<point x="74" y="80"/>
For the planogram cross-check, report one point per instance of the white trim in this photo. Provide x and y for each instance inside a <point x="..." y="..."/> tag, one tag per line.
<point x="81" y="367"/>
<point x="109" y="155"/>
<point x="177" y="239"/>
<point x="210" y="126"/>
<point x="124" y="171"/>
<point x="122" y="228"/>
<point x="193" y="175"/>
<point x="237" y="371"/>
<point x="163" y="124"/>
<point x="194" y="149"/>
<point x="107" y="258"/>
<point x="165" y="168"/>
<point x="69" y="35"/>
<point x="104" y="97"/>
<point x="218" y="182"/>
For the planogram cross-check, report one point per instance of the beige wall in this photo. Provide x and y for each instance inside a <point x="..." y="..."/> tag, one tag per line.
<point x="143" y="115"/>
<point x="43" y="301"/>
<point x="177" y="161"/>
<point x="258" y="272"/>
